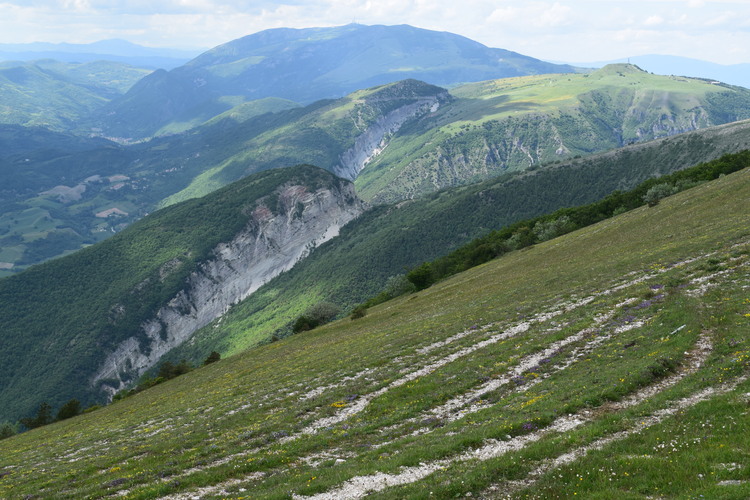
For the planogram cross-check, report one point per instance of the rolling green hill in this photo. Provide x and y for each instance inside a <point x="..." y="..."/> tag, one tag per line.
<point x="486" y="129"/>
<point x="512" y="124"/>
<point x="56" y="95"/>
<point x="610" y="362"/>
<point x="62" y="319"/>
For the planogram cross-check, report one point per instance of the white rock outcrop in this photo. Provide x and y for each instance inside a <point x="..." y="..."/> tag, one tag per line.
<point x="269" y="245"/>
<point x="375" y="138"/>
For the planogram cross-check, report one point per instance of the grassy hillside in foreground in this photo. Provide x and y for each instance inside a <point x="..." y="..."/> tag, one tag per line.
<point x="62" y="318"/>
<point x="611" y="362"/>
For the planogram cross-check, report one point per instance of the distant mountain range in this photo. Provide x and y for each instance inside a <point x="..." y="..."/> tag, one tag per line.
<point x="305" y="65"/>
<point x="733" y="74"/>
<point x="108" y="50"/>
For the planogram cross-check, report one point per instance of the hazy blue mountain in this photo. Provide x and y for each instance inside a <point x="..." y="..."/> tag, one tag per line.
<point x="110" y="50"/>
<point x="733" y="74"/>
<point x="305" y="65"/>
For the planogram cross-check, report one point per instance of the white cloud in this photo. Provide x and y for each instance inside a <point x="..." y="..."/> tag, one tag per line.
<point x="573" y="30"/>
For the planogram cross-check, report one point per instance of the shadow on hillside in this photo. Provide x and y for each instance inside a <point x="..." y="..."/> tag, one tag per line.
<point x="477" y="109"/>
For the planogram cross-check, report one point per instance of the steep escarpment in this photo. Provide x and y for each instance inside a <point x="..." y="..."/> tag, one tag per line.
<point x="376" y="136"/>
<point x="83" y="325"/>
<point x="271" y="243"/>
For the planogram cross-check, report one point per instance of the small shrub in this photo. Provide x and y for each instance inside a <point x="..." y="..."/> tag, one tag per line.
<point x="657" y="192"/>
<point x="212" y="358"/>
<point x="7" y="430"/>
<point x="319" y="314"/>
<point x="303" y="324"/>
<point x="359" y="312"/>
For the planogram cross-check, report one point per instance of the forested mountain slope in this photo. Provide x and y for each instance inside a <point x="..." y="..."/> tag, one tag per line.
<point x="56" y="95"/>
<point x="62" y="196"/>
<point x="609" y="362"/>
<point x="84" y="325"/>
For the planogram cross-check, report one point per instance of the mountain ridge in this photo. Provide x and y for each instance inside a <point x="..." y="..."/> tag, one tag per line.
<point x="309" y="64"/>
<point x="117" y="50"/>
<point x="733" y="74"/>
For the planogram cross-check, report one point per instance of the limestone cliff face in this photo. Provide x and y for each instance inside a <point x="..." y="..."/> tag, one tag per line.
<point x="375" y="138"/>
<point x="269" y="244"/>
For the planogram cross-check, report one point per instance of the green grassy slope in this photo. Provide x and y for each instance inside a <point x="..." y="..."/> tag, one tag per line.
<point x="391" y="239"/>
<point x="610" y="362"/>
<point x="238" y="112"/>
<point x="487" y="129"/>
<point x="318" y="134"/>
<point x="57" y="95"/>
<point x="61" y="318"/>
<point x="514" y="123"/>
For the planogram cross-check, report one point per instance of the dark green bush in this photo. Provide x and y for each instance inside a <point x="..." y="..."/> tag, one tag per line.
<point x="69" y="409"/>
<point x="212" y="358"/>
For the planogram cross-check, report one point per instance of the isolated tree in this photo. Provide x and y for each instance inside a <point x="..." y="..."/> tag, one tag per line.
<point x="319" y="314"/>
<point x="422" y="276"/>
<point x="398" y="285"/>
<point x="323" y="312"/>
<point x="169" y="370"/>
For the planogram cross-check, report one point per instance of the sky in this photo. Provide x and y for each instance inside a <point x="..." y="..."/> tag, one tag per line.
<point x="562" y="31"/>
